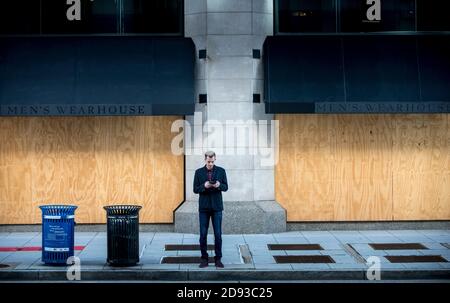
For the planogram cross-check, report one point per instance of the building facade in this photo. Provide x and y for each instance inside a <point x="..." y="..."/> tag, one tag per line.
<point x="321" y="111"/>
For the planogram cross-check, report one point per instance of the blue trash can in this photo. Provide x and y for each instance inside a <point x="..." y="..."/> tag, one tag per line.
<point x="58" y="229"/>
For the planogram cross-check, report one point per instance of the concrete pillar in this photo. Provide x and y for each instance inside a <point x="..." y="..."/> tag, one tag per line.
<point x="229" y="30"/>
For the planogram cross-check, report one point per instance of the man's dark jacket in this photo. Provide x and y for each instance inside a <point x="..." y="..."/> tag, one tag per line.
<point x="210" y="198"/>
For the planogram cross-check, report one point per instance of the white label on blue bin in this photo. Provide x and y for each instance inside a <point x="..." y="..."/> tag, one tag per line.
<point x="56" y="248"/>
<point x="52" y="217"/>
<point x="58" y="217"/>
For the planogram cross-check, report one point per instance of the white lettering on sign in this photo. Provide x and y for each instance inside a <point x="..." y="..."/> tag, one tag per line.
<point x="374" y="11"/>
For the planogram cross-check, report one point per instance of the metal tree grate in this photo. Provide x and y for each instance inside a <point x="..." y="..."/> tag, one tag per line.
<point x="304" y="259"/>
<point x="394" y="246"/>
<point x="415" y="259"/>
<point x="294" y="247"/>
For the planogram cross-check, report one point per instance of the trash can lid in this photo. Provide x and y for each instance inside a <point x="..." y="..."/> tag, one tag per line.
<point x="122" y="209"/>
<point x="58" y="210"/>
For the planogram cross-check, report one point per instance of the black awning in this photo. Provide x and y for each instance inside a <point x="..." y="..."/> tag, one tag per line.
<point x="357" y="74"/>
<point x="96" y="75"/>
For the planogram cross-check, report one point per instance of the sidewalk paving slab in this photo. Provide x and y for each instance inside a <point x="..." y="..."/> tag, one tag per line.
<point x="28" y="265"/>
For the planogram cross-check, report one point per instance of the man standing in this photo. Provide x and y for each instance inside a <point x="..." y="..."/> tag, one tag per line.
<point x="209" y="182"/>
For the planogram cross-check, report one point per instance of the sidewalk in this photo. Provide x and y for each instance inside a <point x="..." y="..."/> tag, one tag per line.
<point x="329" y="255"/>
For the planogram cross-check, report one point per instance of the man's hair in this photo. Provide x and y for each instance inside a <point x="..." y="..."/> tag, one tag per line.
<point x="210" y="154"/>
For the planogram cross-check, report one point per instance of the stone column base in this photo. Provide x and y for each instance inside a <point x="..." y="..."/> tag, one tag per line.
<point x="243" y="217"/>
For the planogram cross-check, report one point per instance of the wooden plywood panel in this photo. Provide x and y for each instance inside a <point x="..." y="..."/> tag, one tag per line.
<point x="363" y="158"/>
<point x="118" y="162"/>
<point x="166" y="181"/>
<point x="15" y="174"/>
<point x="77" y="157"/>
<point x="364" y="167"/>
<point x="422" y="168"/>
<point x="315" y="167"/>
<point x="90" y="162"/>
<point x="14" y="134"/>
<point x="15" y="181"/>
<point x="304" y="167"/>
<point x="333" y="169"/>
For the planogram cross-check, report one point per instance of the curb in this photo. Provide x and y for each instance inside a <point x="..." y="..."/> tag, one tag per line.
<point x="220" y="275"/>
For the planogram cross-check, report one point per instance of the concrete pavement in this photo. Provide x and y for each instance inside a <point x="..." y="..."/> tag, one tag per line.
<point x="246" y="257"/>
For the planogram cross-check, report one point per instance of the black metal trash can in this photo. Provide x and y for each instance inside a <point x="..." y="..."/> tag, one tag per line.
<point x="123" y="234"/>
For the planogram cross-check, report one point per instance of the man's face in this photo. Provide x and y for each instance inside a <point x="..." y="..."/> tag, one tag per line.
<point x="210" y="162"/>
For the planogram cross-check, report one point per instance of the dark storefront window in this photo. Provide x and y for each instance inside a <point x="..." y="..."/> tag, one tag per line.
<point x="360" y="16"/>
<point x="306" y="16"/>
<point x="156" y="16"/>
<point x="20" y="17"/>
<point x="98" y="16"/>
<point x="92" y="17"/>
<point x="433" y="15"/>
<point x="379" y="15"/>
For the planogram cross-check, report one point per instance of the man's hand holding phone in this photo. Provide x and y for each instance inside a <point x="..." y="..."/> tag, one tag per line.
<point x="211" y="184"/>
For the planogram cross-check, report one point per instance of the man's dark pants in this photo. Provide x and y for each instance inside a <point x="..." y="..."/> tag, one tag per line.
<point x="216" y="219"/>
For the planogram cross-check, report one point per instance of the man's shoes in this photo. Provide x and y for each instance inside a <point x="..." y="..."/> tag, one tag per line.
<point x="219" y="264"/>
<point x="203" y="263"/>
